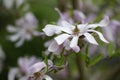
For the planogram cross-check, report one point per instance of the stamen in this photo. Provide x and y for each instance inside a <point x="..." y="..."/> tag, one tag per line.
<point x="76" y="30"/>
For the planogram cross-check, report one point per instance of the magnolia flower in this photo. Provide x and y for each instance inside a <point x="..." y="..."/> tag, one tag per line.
<point x="2" y="57"/>
<point x="25" y="29"/>
<point x="73" y="33"/>
<point x="38" y="71"/>
<point x="21" y="72"/>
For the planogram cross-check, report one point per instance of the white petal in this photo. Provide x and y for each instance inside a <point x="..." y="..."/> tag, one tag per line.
<point x="61" y="38"/>
<point x="100" y="36"/>
<point x="20" y="42"/>
<point x="53" y="46"/>
<point x="74" y="44"/>
<point x="102" y="23"/>
<point x="67" y="30"/>
<point x="14" y="37"/>
<point x="51" y="30"/>
<point x="11" y="28"/>
<point x="82" y="27"/>
<point x="90" y="38"/>
<point x="13" y="73"/>
<point x="66" y="24"/>
<point x="46" y="77"/>
<point x="37" y="67"/>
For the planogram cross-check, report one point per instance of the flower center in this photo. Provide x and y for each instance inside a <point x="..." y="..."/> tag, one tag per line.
<point x="37" y="75"/>
<point x="76" y="30"/>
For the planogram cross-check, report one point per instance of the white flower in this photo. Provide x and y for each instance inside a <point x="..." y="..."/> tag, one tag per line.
<point x="21" y="72"/>
<point x="25" y="29"/>
<point x="38" y="71"/>
<point x="2" y="57"/>
<point x="73" y="33"/>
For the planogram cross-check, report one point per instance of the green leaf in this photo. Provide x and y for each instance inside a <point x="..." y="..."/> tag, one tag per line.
<point x="61" y="61"/>
<point x="111" y="49"/>
<point x="96" y="60"/>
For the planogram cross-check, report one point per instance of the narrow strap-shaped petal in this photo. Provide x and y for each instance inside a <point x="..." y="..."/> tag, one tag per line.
<point x="53" y="46"/>
<point x="67" y="30"/>
<point x="61" y="38"/>
<point x="14" y="37"/>
<point x="66" y="24"/>
<point x="90" y="38"/>
<point x="102" y="23"/>
<point x="20" y="42"/>
<point x="100" y="35"/>
<point x="11" y="28"/>
<point x="37" y="67"/>
<point x="51" y="29"/>
<point x="13" y="73"/>
<point x="74" y="44"/>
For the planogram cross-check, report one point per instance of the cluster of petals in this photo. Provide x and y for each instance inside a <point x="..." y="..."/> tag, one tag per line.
<point x="24" y="29"/>
<point x="72" y="33"/>
<point x="38" y="71"/>
<point x="21" y="72"/>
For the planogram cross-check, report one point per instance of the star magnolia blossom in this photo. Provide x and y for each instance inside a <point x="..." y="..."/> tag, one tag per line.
<point x="21" y="72"/>
<point x="38" y="71"/>
<point x="25" y="29"/>
<point x="73" y="33"/>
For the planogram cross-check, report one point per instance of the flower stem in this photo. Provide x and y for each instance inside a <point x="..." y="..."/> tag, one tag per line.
<point x="75" y="4"/>
<point x="81" y="67"/>
<point x="62" y="5"/>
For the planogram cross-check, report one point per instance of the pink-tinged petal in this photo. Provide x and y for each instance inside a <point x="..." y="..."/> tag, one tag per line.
<point x="61" y="38"/>
<point x="74" y="44"/>
<point x="67" y="45"/>
<point x="79" y="16"/>
<point x="102" y="23"/>
<point x="100" y="36"/>
<point x="53" y="46"/>
<point x="90" y="38"/>
<point x="13" y="73"/>
<point x="37" y="67"/>
<point x="46" y="77"/>
<point x="51" y="30"/>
